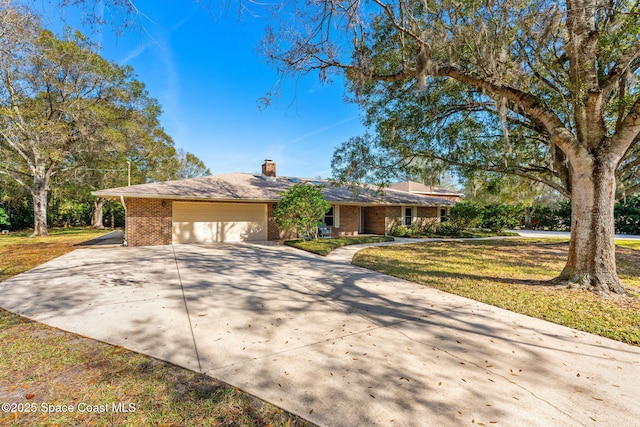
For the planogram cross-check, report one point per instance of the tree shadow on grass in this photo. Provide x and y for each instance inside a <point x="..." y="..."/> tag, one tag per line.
<point x="97" y="373"/>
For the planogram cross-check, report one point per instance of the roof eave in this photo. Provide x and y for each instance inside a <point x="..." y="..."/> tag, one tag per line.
<point x="177" y="197"/>
<point x="119" y="195"/>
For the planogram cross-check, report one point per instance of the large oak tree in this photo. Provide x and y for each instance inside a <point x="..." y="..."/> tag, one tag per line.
<point x="63" y="107"/>
<point x="544" y="90"/>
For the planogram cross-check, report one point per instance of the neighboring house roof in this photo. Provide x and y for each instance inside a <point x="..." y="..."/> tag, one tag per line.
<point x="260" y="188"/>
<point x="418" y="188"/>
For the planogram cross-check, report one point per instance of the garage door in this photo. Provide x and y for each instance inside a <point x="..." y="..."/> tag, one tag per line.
<point x="218" y="222"/>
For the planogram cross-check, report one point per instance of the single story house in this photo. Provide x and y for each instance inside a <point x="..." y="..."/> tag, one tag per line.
<point x="236" y="207"/>
<point x="424" y="190"/>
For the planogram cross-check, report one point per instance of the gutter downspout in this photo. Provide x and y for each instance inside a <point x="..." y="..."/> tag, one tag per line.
<point x="126" y="220"/>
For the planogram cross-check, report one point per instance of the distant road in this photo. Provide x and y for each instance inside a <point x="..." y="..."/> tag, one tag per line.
<point x="537" y="233"/>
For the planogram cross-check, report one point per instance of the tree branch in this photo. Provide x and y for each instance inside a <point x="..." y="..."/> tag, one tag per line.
<point x="532" y="105"/>
<point x="628" y="133"/>
<point x="522" y="173"/>
<point x="628" y="191"/>
<point x="17" y="176"/>
<point x="623" y="65"/>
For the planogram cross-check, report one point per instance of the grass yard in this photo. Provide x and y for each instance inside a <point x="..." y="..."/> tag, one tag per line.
<point x="19" y="252"/>
<point x="514" y="274"/>
<point x="326" y="246"/>
<point x="41" y="366"/>
<point x="482" y="232"/>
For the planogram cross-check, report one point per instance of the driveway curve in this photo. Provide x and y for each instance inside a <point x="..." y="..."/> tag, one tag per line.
<point x="334" y="343"/>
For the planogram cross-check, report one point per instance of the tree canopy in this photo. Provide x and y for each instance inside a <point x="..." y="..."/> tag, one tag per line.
<point x="499" y="86"/>
<point x="72" y="118"/>
<point x="544" y="90"/>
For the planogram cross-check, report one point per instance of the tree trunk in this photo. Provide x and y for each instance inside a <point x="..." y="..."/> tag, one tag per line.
<point x="97" y="219"/>
<point x="528" y="213"/>
<point x="592" y="260"/>
<point x="39" y="193"/>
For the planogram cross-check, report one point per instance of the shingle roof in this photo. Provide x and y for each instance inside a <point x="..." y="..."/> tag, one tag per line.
<point x="258" y="188"/>
<point x="416" y="187"/>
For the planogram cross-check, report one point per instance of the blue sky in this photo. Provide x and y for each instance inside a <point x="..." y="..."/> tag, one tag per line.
<point x="203" y="68"/>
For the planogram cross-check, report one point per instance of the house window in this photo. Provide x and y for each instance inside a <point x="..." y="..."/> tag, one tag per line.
<point x="408" y="216"/>
<point x="328" y="217"/>
<point x="332" y="218"/>
<point x="444" y="214"/>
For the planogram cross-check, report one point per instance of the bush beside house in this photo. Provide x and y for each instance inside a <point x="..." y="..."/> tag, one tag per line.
<point x="302" y="208"/>
<point x="467" y="215"/>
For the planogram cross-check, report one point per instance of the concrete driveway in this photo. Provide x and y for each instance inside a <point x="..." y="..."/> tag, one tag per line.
<point x="331" y="342"/>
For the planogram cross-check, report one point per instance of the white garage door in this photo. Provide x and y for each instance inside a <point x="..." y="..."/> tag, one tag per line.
<point x="195" y="222"/>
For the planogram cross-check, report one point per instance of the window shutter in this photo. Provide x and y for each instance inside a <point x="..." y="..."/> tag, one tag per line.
<point x="336" y="216"/>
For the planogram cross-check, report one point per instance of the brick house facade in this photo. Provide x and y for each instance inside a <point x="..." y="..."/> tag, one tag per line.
<point x="148" y="222"/>
<point x="240" y="206"/>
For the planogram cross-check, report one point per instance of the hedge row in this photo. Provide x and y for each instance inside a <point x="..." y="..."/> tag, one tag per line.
<point x="499" y="216"/>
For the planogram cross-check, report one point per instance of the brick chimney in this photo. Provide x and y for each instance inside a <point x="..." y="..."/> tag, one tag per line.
<point x="269" y="168"/>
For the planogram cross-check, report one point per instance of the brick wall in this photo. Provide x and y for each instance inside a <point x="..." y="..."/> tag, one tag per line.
<point x="424" y="216"/>
<point x="348" y="221"/>
<point x="148" y="222"/>
<point x="272" y="229"/>
<point x="428" y="212"/>
<point x="273" y="232"/>
<point x="394" y="217"/>
<point x="374" y="219"/>
<point x="427" y="217"/>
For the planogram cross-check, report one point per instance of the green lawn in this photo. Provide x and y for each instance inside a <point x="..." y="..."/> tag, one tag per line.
<point x="325" y="246"/>
<point x="631" y="244"/>
<point x="19" y="252"/>
<point x="514" y="274"/>
<point x="40" y="364"/>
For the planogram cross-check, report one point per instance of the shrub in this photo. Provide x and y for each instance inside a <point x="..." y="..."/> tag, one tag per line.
<point x="415" y="230"/>
<point x="4" y="218"/>
<point x="466" y="214"/>
<point x="19" y="211"/>
<point x="429" y="226"/>
<point x="627" y="214"/>
<point x="302" y="207"/>
<point x="449" y="228"/>
<point x="542" y="218"/>
<point x="564" y="214"/>
<point x="499" y="216"/>
<point x="400" y="231"/>
<point x="547" y="218"/>
<point x="69" y="213"/>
